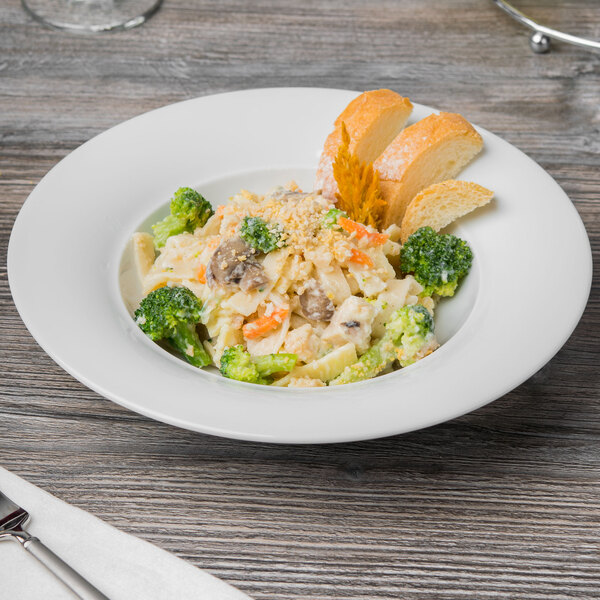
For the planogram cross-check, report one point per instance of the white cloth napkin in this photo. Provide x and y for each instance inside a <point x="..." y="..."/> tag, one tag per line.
<point x="121" y="566"/>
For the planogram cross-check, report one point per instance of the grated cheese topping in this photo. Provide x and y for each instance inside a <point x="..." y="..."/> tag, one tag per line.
<point x="299" y="215"/>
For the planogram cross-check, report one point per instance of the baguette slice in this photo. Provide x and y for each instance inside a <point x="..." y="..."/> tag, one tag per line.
<point x="432" y="150"/>
<point x="373" y="120"/>
<point x="441" y="203"/>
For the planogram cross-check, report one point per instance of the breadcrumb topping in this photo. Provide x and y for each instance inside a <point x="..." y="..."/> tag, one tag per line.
<point x="299" y="215"/>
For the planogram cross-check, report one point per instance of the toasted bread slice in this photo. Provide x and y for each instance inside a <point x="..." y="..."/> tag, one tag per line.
<point x="373" y="120"/>
<point x="441" y="203"/>
<point x="432" y="150"/>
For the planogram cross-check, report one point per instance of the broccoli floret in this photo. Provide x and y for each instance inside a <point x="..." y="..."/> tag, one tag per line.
<point x="236" y="363"/>
<point x="189" y="210"/>
<point x="438" y="262"/>
<point x="372" y="362"/>
<point x="264" y="237"/>
<point x="275" y="363"/>
<point x="331" y="217"/>
<point x="409" y="330"/>
<point x="171" y="314"/>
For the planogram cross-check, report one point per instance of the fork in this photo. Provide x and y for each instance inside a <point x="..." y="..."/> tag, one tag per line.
<point x="12" y="519"/>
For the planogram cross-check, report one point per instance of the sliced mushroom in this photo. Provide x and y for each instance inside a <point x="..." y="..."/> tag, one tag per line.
<point x="233" y="262"/>
<point x="253" y="277"/>
<point x="315" y="303"/>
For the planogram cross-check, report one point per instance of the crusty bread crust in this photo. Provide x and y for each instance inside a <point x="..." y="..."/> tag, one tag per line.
<point x="442" y="203"/>
<point x="432" y="150"/>
<point x="373" y="120"/>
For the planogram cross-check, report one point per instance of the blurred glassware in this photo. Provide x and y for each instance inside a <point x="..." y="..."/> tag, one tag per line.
<point x="91" y="16"/>
<point x="541" y="36"/>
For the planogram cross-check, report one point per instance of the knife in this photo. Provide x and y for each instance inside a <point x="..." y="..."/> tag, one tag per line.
<point x="12" y="519"/>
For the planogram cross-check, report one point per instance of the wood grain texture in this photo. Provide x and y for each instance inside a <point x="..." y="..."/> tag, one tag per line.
<point x="501" y="503"/>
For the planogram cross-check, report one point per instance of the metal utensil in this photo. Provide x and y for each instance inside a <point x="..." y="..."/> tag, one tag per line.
<point x="12" y="520"/>
<point x="541" y="36"/>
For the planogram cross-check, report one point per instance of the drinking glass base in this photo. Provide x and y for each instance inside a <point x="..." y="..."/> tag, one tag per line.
<point x="91" y="16"/>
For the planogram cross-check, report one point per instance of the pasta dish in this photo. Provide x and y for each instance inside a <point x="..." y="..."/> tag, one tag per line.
<point x="333" y="286"/>
<point x="322" y="291"/>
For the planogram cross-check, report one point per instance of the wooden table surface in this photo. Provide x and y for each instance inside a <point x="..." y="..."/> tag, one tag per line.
<point x="501" y="503"/>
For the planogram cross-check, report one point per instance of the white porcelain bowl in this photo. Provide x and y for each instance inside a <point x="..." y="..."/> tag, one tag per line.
<point x="524" y="296"/>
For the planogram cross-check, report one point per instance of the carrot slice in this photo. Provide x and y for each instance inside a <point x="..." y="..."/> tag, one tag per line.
<point x="264" y="324"/>
<point x="374" y="238"/>
<point x="360" y="258"/>
<point x="201" y="274"/>
<point x="158" y="286"/>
